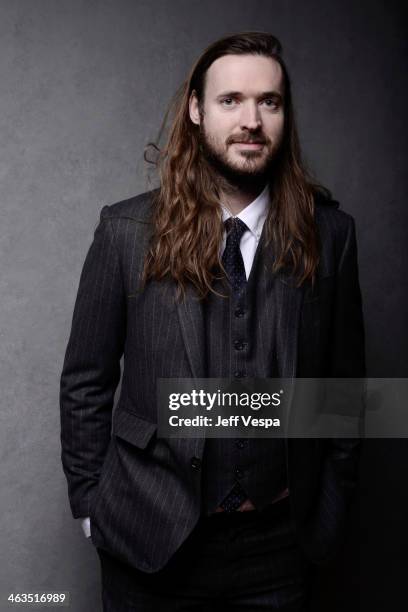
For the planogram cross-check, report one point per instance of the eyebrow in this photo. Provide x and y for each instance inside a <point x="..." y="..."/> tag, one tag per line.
<point x="238" y="94"/>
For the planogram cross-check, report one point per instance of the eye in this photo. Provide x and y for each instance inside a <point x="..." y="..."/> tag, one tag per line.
<point x="228" y="101"/>
<point x="271" y="103"/>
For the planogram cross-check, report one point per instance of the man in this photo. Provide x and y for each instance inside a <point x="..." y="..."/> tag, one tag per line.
<point x="238" y="266"/>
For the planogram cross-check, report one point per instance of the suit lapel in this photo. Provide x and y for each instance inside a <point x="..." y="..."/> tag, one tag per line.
<point x="191" y="317"/>
<point x="285" y="304"/>
<point x="288" y="303"/>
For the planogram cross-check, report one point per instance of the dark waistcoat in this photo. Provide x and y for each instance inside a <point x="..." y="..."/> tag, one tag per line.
<point x="240" y="343"/>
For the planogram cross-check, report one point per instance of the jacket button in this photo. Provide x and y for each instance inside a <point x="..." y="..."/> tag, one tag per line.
<point x="238" y="473"/>
<point x="239" y="312"/>
<point x="240" y="443"/>
<point x="195" y="463"/>
<point x="239" y="345"/>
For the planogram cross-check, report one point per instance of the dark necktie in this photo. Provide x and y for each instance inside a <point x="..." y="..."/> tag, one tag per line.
<point x="235" y="269"/>
<point x="232" y="257"/>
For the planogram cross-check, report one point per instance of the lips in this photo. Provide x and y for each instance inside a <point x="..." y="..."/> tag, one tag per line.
<point x="250" y="145"/>
<point x="249" y="142"/>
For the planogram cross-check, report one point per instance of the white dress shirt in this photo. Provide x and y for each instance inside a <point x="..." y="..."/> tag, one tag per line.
<point x="86" y="526"/>
<point x="253" y="215"/>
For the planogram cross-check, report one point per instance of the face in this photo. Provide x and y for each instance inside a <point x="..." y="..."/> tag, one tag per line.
<point x="241" y="125"/>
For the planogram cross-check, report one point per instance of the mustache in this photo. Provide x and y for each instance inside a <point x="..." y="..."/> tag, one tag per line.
<point x="247" y="139"/>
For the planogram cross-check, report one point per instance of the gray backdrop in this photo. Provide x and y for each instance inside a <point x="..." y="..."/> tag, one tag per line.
<point x="84" y="85"/>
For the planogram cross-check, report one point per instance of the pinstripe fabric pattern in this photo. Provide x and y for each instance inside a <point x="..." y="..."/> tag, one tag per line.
<point x="261" y="462"/>
<point x="143" y="493"/>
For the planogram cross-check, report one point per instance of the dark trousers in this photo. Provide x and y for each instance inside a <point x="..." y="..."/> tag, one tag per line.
<point x="244" y="561"/>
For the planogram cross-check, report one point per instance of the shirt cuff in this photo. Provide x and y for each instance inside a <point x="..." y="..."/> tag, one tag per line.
<point x="86" y="526"/>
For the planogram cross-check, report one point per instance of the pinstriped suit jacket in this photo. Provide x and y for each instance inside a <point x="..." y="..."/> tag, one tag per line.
<point x="143" y="493"/>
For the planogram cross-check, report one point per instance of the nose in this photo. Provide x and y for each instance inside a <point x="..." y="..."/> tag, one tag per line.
<point x="250" y="118"/>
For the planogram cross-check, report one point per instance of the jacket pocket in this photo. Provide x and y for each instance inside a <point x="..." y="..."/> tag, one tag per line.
<point x="132" y="428"/>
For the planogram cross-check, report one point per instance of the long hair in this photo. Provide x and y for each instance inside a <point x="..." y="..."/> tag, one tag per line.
<point x="187" y="218"/>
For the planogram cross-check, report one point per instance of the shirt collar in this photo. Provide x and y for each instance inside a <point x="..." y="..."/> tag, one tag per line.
<point x="254" y="214"/>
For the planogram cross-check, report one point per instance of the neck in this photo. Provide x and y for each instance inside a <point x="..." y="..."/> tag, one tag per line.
<point x="237" y="197"/>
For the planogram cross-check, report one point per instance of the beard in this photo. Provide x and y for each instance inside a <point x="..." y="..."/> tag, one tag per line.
<point x="255" y="168"/>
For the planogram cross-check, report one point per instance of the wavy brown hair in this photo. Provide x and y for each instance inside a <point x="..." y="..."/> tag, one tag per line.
<point x="187" y="218"/>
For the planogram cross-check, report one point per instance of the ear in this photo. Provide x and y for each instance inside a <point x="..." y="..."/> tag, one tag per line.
<point x="194" y="109"/>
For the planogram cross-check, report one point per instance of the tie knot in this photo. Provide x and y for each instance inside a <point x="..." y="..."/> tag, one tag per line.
<point x="235" y="226"/>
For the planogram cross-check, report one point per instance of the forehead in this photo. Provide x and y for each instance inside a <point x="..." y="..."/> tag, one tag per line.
<point x="244" y="73"/>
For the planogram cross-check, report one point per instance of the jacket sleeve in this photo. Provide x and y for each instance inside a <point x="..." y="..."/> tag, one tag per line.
<point x="91" y="369"/>
<point x="348" y="356"/>
<point x="341" y="465"/>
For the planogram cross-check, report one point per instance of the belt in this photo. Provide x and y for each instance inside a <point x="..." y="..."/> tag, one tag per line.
<point x="247" y="505"/>
<point x="272" y="511"/>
